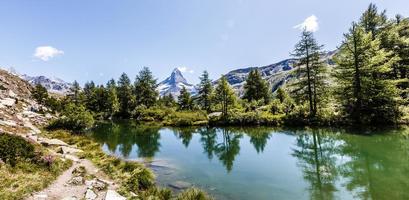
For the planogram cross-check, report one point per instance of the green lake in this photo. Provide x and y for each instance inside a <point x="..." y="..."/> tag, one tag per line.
<point x="268" y="163"/>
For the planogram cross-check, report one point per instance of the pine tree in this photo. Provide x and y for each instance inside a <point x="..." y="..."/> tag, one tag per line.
<point x="167" y="100"/>
<point x="310" y="73"/>
<point x="256" y="88"/>
<point x="184" y="100"/>
<point x="372" y="21"/>
<point x="112" y="106"/>
<point x="365" y="94"/>
<point x="225" y="95"/>
<point x="205" y="90"/>
<point x="90" y="98"/>
<point x="40" y="94"/>
<point x="76" y="95"/>
<point x="125" y="96"/>
<point x="395" y="38"/>
<point x="145" y="88"/>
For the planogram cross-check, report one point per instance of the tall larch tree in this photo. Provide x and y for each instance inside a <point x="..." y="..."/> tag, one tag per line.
<point x="225" y="95"/>
<point x="145" y="88"/>
<point x="366" y="96"/>
<point x="205" y="90"/>
<point x="310" y="71"/>
<point x="112" y="98"/>
<point x="184" y="100"/>
<point x="256" y="88"/>
<point x="125" y="96"/>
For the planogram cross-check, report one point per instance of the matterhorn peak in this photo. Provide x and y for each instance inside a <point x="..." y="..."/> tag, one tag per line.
<point x="174" y="83"/>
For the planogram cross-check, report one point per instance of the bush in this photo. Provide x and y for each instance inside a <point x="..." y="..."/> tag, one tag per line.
<point x="193" y="194"/>
<point x="14" y="148"/>
<point x="75" y="118"/>
<point x="186" y="118"/>
<point x="140" y="179"/>
<point x="156" y="113"/>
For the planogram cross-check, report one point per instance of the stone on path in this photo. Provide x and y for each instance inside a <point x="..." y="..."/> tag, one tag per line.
<point x="90" y="195"/>
<point x="68" y="150"/>
<point x="40" y="196"/>
<point x="113" y="195"/>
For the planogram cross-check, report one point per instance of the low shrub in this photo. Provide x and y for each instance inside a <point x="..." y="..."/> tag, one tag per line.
<point x="14" y="148"/>
<point x="193" y="194"/>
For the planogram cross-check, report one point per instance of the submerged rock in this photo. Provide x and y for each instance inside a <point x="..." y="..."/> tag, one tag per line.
<point x="180" y="185"/>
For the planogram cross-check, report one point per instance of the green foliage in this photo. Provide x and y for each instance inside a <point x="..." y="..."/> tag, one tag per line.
<point x="193" y="194"/>
<point x="364" y="93"/>
<point x="40" y="94"/>
<point x="167" y="101"/>
<point x="310" y="73"/>
<point x="125" y="96"/>
<point x="205" y="92"/>
<point x="186" y="118"/>
<point x="140" y="179"/>
<point x="75" y="118"/>
<point x="256" y="88"/>
<point x="225" y="95"/>
<point x="185" y="102"/>
<point x="14" y="148"/>
<point x="145" y="88"/>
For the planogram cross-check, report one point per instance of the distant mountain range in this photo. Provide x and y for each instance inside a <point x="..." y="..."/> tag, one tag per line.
<point x="276" y="75"/>
<point x="54" y="85"/>
<point x="174" y="83"/>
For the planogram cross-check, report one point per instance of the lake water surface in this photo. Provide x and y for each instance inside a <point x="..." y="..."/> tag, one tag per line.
<point x="268" y="163"/>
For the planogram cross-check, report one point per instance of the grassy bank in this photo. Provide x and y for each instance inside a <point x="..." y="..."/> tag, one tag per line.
<point x="135" y="180"/>
<point x="28" y="168"/>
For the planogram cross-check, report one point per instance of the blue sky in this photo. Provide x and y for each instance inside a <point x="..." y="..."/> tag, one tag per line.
<point x="96" y="40"/>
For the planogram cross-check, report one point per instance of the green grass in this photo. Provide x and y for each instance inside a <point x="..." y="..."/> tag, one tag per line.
<point x="29" y="175"/>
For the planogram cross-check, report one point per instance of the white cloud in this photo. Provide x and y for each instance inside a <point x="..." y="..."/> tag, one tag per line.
<point x="309" y="24"/>
<point x="185" y="69"/>
<point x="45" y="53"/>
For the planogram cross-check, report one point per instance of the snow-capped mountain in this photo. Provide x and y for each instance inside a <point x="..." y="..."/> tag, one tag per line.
<point x="276" y="74"/>
<point x="54" y="85"/>
<point x="174" y="83"/>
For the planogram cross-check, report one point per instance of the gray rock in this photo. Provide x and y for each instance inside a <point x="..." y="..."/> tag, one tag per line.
<point x="78" y="180"/>
<point x="99" y="185"/>
<point x="68" y="150"/>
<point x="90" y="195"/>
<point x="40" y="196"/>
<point x="52" y="142"/>
<point x="113" y="195"/>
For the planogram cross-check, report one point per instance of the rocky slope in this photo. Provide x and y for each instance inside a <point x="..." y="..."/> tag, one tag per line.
<point x="18" y="112"/>
<point x="174" y="83"/>
<point x="19" y="116"/>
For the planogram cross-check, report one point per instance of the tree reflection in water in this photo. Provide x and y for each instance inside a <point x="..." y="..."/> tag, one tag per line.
<point x="317" y="159"/>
